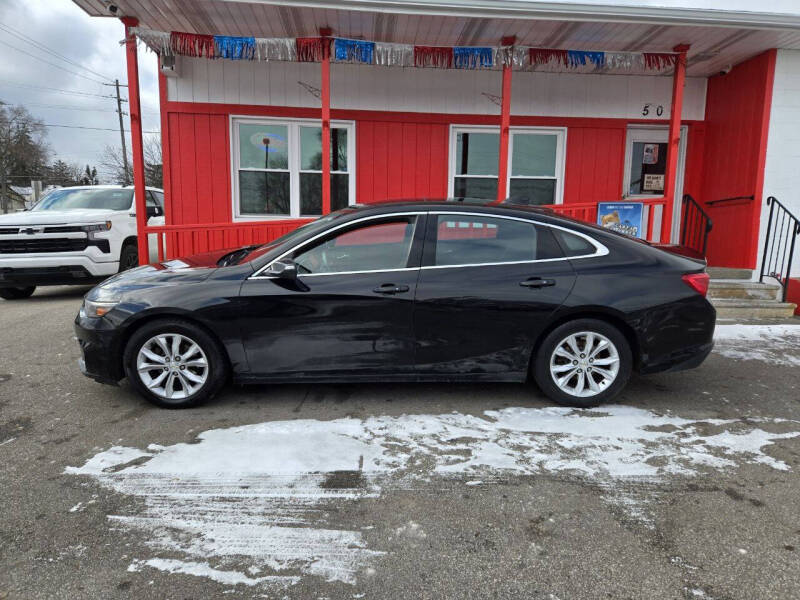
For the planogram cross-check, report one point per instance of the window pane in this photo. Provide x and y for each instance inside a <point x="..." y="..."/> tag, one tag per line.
<point x="534" y="155"/>
<point x="477" y="153"/>
<point x="311" y="149"/>
<point x="263" y="193"/>
<point x="572" y="244"/>
<point x="263" y="146"/>
<point x="311" y="192"/>
<point x="369" y="248"/>
<point x="533" y="191"/>
<point x="476" y="240"/>
<point x="648" y="165"/>
<point x="475" y="188"/>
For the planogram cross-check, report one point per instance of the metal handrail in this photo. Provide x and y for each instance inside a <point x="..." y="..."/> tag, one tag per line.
<point x="783" y="228"/>
<point x="731" y="199"/>
<point x="694" y="233"/>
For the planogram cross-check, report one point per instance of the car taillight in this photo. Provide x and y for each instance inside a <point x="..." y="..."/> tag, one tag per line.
<point x="697" y="281"/>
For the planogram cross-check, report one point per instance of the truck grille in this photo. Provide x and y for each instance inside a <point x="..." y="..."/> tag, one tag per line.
<point x="42" y="245"/>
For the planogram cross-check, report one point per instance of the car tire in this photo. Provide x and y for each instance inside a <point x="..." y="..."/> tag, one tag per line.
<point x="17" y="293"/>
<point x="128" y="257"/>
<point x="564" y="354"/>
<point x="191" y="382"/>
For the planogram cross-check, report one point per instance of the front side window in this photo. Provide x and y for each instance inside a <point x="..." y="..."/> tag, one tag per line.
<point x="536" y="158"/>
<point x="278" y="168"/>
<point x="377" y="246"/>
<point x="476" y="240"/>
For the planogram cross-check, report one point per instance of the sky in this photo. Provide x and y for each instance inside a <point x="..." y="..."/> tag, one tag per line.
<point x="93" y="44"/>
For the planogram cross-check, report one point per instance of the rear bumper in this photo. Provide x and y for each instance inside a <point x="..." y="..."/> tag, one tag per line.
<point x="101" y="359"/>
<point x="689" y="358"/>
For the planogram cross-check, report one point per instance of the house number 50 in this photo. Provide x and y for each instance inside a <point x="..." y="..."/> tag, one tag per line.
<point x="647" y="109"/>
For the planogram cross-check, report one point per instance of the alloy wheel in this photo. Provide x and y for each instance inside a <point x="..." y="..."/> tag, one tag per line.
<point x="584" y="364"/>
<point x="172" y="366"/>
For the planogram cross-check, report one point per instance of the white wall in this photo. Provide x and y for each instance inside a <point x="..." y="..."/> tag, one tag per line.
<point x="783" y="145"/>
<point x="430" y="90"/>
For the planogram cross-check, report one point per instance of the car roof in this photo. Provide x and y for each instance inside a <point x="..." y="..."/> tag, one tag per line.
<point x="104" y="186"/>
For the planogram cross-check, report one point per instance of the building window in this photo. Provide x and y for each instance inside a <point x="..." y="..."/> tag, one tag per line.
<point x="278" y="167"/>
<point x="536" y="163"/>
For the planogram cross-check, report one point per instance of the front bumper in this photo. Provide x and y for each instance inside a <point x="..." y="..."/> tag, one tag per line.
<point x="54" y="269"/>
<point x="100" y="346"/>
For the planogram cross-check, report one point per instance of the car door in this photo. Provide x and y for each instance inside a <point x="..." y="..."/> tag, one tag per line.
<point x="154" y="202"/>
<point x="349" y="313"/>
<point x="487" y="287"/>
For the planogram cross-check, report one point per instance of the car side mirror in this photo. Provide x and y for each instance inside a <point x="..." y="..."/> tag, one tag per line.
<point x="283" y="269"/>
<point x="153" y="211"/>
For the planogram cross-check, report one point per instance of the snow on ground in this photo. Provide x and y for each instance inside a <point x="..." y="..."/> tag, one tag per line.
<point x="249" y="505"/>
<point x="776" y="344"/>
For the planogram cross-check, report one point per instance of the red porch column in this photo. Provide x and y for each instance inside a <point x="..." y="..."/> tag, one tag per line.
<point x="673" y="142"/>
<point x="326" y="120"/>
<point x="136" y="139"/>
<point x="505" y="123"/>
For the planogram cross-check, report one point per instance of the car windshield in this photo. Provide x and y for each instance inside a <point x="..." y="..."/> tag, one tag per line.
<point x="73" y="199"/>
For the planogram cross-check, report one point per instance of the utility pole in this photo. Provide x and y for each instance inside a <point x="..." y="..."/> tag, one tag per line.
<point x="122" y="135"/>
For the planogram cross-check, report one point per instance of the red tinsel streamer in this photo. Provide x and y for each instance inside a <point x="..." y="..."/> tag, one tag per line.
<point x="192" y="44"/>
<point x="312" y="49"/>
<point x="659" y="60"/>
<point x="543" y="56"/>
<point x="433" y="56"/>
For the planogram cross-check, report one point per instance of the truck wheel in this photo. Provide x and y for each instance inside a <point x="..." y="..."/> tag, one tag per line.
<point x="128" y="257"/>
<point x="17" y="293"/>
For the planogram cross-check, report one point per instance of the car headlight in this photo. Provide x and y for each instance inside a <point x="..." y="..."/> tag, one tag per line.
<point x="96" y="228"/>
<point x="96" y="309"/>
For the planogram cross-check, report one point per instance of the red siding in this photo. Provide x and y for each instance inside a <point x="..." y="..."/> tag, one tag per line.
<point x="737" y="120"/>
<point x="594" y="168"/>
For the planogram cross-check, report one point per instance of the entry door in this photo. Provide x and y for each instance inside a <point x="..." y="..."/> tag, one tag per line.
<point x="645" y="170"/>
<point x="348" y="313"/>
<point x="485" y="294"/>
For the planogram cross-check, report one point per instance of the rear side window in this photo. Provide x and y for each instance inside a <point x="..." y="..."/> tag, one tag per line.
<point x="574" y="245"/>
<point x="476" y="240"/>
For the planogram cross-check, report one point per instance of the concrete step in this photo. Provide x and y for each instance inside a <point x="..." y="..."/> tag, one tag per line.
<point x="737" y="288"/>
<point x="752" y="308"/>
<point x="726" y="273"/>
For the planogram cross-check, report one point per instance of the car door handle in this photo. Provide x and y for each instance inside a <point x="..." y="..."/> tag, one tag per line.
<point x="390" y="288"/>
<point x="537" y="282"/>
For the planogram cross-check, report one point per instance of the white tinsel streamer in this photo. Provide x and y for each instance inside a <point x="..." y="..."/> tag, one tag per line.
<point x="394" y="55"/>
<point x="157" y="41"/>
<point x="513" y="56"/>
<point x="624" y="60"/>
<point x="276" y="49"/>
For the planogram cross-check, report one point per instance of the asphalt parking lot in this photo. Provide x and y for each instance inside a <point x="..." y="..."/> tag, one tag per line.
<point x="689" y="487"/>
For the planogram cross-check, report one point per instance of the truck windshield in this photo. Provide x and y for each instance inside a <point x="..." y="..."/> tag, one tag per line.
<point x="72" y="199"/>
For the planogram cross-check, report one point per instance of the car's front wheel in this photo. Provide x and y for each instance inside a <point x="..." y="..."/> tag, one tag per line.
<point x="583" y="363"/>
<point x="175" y="363"/>
<point x="17" y="293"/>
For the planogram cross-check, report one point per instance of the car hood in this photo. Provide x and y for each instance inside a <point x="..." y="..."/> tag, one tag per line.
<point x="56" y="217"/>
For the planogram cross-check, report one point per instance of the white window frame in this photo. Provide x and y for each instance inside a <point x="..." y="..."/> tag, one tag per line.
<point x="561" y="155"/>
<point x="293" y="129"/>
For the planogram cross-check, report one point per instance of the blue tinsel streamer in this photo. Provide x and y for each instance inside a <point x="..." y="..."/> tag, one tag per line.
<point x="235" y="48"/>
<point x="472" y="58"/>
<point x="353" y="51"/>
<point x="580" y="57"/>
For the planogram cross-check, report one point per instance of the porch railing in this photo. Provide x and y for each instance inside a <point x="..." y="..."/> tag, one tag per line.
<point x="783" y="228"/>
<point x="695" y="225"/>
<point x="652" y="213"/>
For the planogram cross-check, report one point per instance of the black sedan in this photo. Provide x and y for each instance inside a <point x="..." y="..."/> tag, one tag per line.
<point x="412" y="291"/>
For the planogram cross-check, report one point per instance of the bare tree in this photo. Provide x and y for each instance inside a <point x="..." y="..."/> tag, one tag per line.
<point x="111" y="162"/>
<point x="23" y="149"/>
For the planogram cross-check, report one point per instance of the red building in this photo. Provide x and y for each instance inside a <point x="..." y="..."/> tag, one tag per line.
<point x="560" y="103"/>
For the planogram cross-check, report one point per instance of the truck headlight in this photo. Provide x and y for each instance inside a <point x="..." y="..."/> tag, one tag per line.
<point x="95" y="228"/>
<point x="96" y="309"/>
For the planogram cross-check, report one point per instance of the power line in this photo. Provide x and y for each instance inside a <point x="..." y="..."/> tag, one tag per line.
<point x="52" y="64"/>
<point x="92" y="128"/>
<point x="40" y="46"/>
<point x="58" y="90"/>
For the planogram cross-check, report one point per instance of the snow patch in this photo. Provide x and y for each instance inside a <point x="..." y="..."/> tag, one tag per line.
<point x="777" y="344"/>
<point x="257" y="504"/>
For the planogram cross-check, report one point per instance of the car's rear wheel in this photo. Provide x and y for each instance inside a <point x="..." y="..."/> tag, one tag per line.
<point x="175" y="363"/>
<point x="128" y="257"/>
<point x="583" y="363"/>
<point x="17" y="293"/>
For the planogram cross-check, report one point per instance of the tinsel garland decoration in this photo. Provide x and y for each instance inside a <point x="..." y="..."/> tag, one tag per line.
<point x="544" y="56"/>
<point x="353" y="51"/>
<point x="192" y="44"/>
<point x="313" y="49"/>
<point x="624" y="60"/>
<point x="658" y="61"/>
<point x="473" y="58"/>
<point x="440" y="57"/>
<point x="235" y="48"/>
<point x="393" y="55"/>
<point x="158" y="41"/>
<point x="276" y="49"/>
<point x="576" y="58"/>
